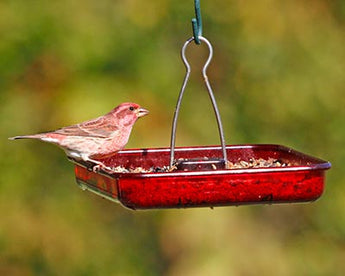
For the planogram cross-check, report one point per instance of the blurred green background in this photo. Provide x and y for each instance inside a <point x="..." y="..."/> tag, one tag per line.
<point x="279" y="77"/>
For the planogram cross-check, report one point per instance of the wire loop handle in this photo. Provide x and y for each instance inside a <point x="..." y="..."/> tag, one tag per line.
<point x="210" y="93"/>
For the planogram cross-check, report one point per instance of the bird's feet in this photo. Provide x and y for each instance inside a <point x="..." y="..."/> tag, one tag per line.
<point x="101" y="167"/>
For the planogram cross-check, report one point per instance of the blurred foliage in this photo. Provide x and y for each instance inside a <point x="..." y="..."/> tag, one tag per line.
<point x="279" y="77"/>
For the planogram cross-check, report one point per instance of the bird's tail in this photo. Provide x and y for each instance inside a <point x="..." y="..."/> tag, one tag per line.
<point x="34" y="136"/>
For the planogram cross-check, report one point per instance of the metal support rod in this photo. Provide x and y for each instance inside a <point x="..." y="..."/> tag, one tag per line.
<point x="210" y="93"/>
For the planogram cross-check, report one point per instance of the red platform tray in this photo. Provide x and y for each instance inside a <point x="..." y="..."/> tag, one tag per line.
<point x="301" y="182"/>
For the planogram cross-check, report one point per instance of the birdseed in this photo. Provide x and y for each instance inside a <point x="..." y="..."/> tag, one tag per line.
<point x="241" y="164"/>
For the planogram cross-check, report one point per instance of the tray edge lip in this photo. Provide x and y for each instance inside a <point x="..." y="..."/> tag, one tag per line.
<point x="319" y="164"/>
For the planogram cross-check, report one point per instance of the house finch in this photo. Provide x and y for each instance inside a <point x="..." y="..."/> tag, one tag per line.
<point x="96" y="138"/>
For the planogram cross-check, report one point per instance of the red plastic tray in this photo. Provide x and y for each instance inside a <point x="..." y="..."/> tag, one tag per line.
<point x="301" y="182"/>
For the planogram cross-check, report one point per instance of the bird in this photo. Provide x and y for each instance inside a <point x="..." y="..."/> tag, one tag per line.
<point x="96" y="138"/>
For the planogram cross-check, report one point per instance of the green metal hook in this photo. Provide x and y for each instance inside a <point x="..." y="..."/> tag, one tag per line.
<point x="196" y="22"/>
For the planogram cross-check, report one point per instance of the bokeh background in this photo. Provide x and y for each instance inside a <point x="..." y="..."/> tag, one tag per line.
<point x="279" y="77"/>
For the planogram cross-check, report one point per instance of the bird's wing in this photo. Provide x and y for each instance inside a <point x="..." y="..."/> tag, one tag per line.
<point x="99" y="128"/>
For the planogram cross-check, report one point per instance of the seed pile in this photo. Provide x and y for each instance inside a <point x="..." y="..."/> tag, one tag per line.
<point x="241" y="164"/>
<point x="120" y="169"/>
<point x="258" y="163"/>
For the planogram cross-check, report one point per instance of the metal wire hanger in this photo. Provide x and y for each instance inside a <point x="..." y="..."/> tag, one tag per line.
<point x="198" y="38"/>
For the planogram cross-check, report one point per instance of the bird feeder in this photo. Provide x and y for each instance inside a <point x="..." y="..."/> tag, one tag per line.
<point x="205" y="176"/>
<point x="197" y="185"/>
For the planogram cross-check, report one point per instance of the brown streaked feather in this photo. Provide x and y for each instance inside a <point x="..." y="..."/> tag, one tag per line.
<point x="99" y="127"/>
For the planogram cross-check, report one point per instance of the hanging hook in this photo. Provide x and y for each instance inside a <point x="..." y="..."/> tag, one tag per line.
<point x="197" y="22"/>
<point x="210" y="93"/>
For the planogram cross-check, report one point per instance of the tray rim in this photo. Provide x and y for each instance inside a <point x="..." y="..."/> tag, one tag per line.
<point x="317" y="163"/>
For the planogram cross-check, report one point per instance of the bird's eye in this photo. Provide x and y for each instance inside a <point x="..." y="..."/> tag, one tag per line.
<point x="131" y="108"/>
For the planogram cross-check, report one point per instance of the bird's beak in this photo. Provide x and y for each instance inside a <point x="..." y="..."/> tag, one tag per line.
<point x="142" y="112"/>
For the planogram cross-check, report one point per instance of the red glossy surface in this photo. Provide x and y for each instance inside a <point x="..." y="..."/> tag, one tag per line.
<point x="303" y="181"/>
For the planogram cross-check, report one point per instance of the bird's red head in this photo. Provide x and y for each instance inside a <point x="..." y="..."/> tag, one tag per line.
<point x="128" y="113"/>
